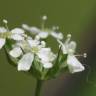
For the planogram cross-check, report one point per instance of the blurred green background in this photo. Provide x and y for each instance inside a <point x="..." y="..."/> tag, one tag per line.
<point x="77" y="17"/>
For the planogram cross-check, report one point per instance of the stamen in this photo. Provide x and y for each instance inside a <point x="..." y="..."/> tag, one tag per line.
<point x="68" y="35"/>
<point x="25" y="26"/>
<point x="82" y="55"/>
<point x="54" y="28"/>
<point x="44" y="18"/>
<point x="37" y="37"/>
<point x="6" y="22"/>
<point x="68" y="38"/>
<point x="85" y="55"/>
<point x="43" y="43"/>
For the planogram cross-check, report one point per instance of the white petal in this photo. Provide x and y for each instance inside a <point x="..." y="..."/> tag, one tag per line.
<point x="16" y="52"/>
<point x="2" y="42"/>
<point x="34" y="30"/>
<point x="25" y="26"/>
<point x="3" y="30"/>
<point x="33" y="42"/>
<point x="43" y="54"/>
<point x="17" y="37"/>
<point x="47" y="65"/>
<point x="17" y="31"/>
<point x="26" y="62"/>
<point x="43" y="35"/>
<point x="57" y="35"/>
<point x="74" y="65"/>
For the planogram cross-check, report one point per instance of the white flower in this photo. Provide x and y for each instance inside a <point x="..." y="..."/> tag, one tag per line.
<point x="45" y="54"/>
<point x="30" y="48"/>
<point x="47" y="57"/>
<point x="74" y="65"/>
<point x="69" y="48"/>
<point x="15" y="34"/>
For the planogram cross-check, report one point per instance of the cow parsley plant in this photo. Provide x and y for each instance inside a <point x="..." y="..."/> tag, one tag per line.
<point x="27" y="49"/>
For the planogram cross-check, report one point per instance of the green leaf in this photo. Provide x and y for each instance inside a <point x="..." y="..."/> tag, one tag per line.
<point x="63" y="61"/>
<point x="10" y="60"/>
<point x="59" y="67"/>
<point x="7" y="48"/>
<point x="51" y="73"/>
<point x="37" y="64"/>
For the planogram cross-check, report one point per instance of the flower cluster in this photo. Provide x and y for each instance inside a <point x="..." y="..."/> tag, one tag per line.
<point x="26" y="47"/>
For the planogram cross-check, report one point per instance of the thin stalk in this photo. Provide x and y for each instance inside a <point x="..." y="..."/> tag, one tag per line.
<point x="38" y="88"/>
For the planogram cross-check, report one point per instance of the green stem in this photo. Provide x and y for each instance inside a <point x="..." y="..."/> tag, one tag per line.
<point x="38" y="88"/>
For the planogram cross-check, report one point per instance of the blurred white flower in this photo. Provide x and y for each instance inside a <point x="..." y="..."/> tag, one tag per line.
<point x="15" y="34"/>
<point x="69" y="48"/>
<point x="47" y="57"/>
<point x="74" y="65"/>
<point x="30" y="48"/>
<point x="33" y="29"/>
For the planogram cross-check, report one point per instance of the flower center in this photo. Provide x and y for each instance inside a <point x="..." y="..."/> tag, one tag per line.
<point x="34" y="49"/>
